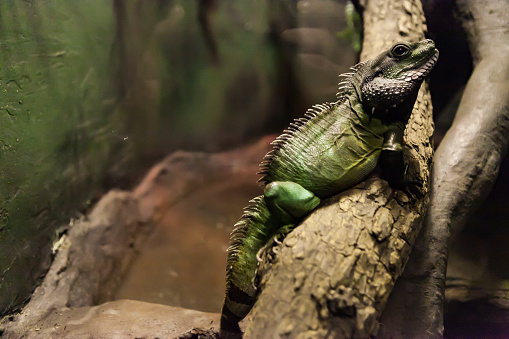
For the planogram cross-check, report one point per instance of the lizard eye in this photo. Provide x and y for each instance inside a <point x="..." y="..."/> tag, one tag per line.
<point x="400" y="50"/>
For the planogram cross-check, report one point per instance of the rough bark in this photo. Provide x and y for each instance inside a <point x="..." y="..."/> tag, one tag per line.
<point x="332" y="275"/>
<point x="465" y="168"/>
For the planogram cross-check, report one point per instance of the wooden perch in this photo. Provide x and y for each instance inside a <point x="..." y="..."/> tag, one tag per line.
<point x="332" y="275"/>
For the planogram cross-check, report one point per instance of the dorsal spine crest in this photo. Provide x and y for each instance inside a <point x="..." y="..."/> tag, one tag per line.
<point x="345" y="88"/>
<point x="315" y="112"/>
<point x="345" y="85"/>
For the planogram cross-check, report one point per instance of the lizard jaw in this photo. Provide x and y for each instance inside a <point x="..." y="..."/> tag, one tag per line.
<point x="421" y="72"/>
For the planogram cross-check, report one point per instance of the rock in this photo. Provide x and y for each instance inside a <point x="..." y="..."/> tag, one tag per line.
<point x="120" y="319"/>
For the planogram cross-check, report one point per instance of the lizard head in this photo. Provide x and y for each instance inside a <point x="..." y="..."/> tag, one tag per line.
<point x="391" y="81"/>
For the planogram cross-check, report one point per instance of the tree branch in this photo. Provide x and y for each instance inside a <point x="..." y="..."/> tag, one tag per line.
<point x="332" y="275"/>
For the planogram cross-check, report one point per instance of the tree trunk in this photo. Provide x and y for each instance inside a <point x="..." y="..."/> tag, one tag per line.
<point x="332" y="275"/>
<point x="466" y="166"/>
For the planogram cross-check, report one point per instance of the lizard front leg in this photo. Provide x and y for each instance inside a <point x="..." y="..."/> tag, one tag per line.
<point x="289" y="201"/>
<point x="272" y="214"/>
<point x="392" y="162"/>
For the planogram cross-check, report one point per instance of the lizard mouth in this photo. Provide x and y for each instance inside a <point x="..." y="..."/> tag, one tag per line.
<point x="418" y="73"/>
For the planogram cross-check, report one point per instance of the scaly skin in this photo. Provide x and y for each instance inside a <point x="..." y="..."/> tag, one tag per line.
<point x="332" y="149"/>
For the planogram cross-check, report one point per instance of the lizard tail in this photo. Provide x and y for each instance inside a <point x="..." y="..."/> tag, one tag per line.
<point x="251" y="233"/>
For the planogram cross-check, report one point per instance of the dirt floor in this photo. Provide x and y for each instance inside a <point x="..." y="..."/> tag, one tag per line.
<point x="182" y="263"/>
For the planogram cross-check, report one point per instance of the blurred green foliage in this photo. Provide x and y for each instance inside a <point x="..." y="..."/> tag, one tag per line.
<point x="195" y="101"/>
<point x="353" y="30"/>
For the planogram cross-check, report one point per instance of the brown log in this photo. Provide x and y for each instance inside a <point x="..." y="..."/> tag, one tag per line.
<point x="332" y="275"/>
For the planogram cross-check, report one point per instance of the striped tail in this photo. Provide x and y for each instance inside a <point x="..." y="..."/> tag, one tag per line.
<point x="251" y="233"/>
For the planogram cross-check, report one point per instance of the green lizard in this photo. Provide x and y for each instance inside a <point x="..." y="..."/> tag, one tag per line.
<point x="334" y="147"/>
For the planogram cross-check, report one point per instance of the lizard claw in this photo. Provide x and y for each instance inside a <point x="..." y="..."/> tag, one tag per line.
<point x="258" y="254"/>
